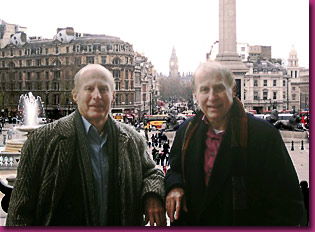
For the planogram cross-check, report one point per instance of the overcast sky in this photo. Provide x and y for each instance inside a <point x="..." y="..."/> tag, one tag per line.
<point x="155" y="26"/>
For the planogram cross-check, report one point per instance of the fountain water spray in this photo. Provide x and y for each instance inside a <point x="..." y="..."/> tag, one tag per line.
<point x="31" y="108"/>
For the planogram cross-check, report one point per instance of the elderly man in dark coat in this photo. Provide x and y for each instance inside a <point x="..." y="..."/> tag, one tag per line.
<point x="86" y="168"/>
<point x="228" y="167"/>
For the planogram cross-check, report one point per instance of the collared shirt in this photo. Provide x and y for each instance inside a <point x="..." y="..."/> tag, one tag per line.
<point x="213" y="140"/>
<point x="100" y="166"/>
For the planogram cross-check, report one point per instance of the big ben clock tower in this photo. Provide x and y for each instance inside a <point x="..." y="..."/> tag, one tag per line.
<point x="173" y="64"/>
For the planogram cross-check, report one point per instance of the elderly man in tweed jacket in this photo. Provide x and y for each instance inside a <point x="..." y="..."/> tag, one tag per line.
<point x="86" y="168"/>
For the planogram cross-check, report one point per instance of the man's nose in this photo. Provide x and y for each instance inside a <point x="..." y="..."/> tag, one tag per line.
<point x="212" y="94"/>
<point x="96" y="93"/>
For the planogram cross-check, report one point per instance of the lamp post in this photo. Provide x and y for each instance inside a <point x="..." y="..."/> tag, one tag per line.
<point x="287" y="77"/>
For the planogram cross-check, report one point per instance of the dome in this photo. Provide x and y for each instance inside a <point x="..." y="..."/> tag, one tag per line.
<point x="19" y="39"/>
<point x="293" y="52"/>
<point x="63" y="36"/>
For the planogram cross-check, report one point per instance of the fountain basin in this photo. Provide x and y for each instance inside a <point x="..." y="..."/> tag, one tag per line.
<point x="28" y="128"/>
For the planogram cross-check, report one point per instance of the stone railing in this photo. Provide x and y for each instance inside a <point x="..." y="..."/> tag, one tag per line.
<point x="9" y="160"/>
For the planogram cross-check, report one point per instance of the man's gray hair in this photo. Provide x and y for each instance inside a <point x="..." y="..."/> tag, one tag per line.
<point x="106" y="71"/>
<point x="213" y="67"/>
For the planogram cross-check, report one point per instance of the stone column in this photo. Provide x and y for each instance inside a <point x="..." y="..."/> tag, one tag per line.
<point x="228" y="55"/>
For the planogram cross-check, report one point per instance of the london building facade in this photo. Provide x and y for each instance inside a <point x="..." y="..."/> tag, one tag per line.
<point x="46" y="67"/>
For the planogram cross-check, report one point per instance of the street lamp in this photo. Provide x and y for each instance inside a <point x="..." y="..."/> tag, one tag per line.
<point x="287" y="77"/>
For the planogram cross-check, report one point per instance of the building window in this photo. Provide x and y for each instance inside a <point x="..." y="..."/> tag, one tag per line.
<point x="127" y="84"/>
<point x="3" y="54"/>
<point x="20" y="85"/>
<point x="67" y="49"/>
<point x="12" y="53"/>
<point x="56" y="74"/>
<point x="67" y="85"/>
<point x="28" y="76"/>
<point x="57" y="50"/>
<point x="28" y="63"/>
<point x="243" y="49"/>
<point x="29" y="86"/>
<point x="116" y="60"/>
<point x="67" y="74"/>
<point x="38" y="75"/>
<point x="20" y="76"/>
<point x="90" y="59"/>
<point x="57" y="62"/>
<point x="56" y="99"/>
<point x="20" y="63"/>
<point x="56" y="85"/>
<point x="3" y="64"/>
<point x="77" y="60"/>
<point x="39" y="86"/>
<point x="103" y="59"/>
<point x="47" y="85"/>
<point x="47" y="61"/>
<point x="20" y="52"/>
<point x="283" y="82"/>
<point x="131" y="84"/>
<point x="255" y="83"/>
<point x="116" y="73"/>
<point x="293" y="96"/>
<point x="274" y="95"/>
<point x="293" y="88"/>
<point x="67" y="60"/>
<point x="117" y="85"/>
<point x="126" y="74"/>
<point x="46" y="50"/>
<point x="265" y="95"/>
<point x="255" y="95"/>
<point x="296" y="75"/>
<point x="47" y="75"/>
<point x="274" y="82"/>
<point x="38" y="62"/>
<point x="265" y="82"/>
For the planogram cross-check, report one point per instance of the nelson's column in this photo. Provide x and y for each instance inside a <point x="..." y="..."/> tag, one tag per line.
<point x="228" y="55"/>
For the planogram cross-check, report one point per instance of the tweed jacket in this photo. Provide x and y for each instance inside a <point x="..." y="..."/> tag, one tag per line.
<point x="269" y="188"/>
<point x="43" y="174"/>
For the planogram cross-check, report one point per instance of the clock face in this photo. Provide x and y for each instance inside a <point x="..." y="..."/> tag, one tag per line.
<point x="172" y="63"/>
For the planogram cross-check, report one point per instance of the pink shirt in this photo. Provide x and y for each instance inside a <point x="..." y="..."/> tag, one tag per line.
<point x="213" y="141"/>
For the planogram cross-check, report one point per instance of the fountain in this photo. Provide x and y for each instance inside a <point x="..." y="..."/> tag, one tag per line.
<point x="30" y="108"/>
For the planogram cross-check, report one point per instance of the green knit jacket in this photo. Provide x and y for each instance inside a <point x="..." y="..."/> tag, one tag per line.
<point x="44" y="167"/>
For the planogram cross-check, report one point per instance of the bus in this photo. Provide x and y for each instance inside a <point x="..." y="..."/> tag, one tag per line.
<point x="156" y="121"/>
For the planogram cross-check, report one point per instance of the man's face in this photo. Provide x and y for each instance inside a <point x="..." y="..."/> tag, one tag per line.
<point x="94" y="95"/>
<point x="213" y="96"/>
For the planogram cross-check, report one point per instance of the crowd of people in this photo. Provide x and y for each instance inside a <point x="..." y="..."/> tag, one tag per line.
<point x="159" y="145"/>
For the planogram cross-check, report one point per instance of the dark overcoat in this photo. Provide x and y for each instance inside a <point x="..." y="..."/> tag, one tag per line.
<point x="55" y="185"/>
<point x="268" y="191"/>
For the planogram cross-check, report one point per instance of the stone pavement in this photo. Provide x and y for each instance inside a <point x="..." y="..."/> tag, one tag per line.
<point x="300" y="159"/>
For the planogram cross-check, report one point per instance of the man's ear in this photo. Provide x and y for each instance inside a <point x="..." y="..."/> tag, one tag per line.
<point x="194" y="97"/>
<point x="74" y="95"/>
<point x="234" y="90"/>
<point x="114" y="96"/>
